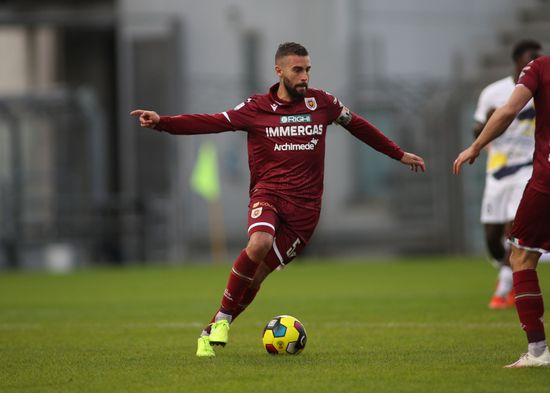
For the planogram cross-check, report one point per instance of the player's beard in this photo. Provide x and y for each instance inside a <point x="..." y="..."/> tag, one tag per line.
<point x="293" y="91"/>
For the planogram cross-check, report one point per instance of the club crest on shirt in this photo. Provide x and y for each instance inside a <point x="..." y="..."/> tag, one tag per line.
<point x="311" y="104"/>
<point x="255" y="213"/>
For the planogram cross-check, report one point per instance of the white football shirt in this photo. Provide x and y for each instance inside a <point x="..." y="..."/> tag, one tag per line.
<point x="516" y="145"/>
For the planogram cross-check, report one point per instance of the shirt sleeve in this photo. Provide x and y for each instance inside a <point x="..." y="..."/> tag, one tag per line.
<point x="530" y="76"/>
<point x="334" y="107"/>
<point x="238" y="118"/>
<point x="361" y="128"/>
<point x="372" y="136"/>
<point x="484" y="106"/>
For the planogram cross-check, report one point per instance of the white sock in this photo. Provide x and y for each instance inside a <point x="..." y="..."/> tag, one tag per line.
<point x="220" y="315"/>
<point x="505" y="278"/>
<point x="536" y="349"/>
<point x="496" y="263"/>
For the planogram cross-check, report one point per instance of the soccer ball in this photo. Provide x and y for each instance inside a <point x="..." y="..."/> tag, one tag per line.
<point x="284" y="334"/>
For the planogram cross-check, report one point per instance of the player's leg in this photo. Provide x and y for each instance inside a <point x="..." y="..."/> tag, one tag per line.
<point x="511" y="198"/>
<point x="506" y="288"/>
<point x="530" y="307"/>
<point x="529" y="238"/>
<point x="494" y="237"/>
<point x="241" y="277"/>
<point x="273" y="260"/>
<point x="495" y="215"/>
<point x="263" y="221"/>
<point x="494" y="234"/>
<point x="250" y="294"/>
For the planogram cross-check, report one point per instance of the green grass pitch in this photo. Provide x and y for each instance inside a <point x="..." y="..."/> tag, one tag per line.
<point x="418" y="325"/>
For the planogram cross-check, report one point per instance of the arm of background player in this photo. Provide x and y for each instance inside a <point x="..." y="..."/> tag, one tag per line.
<point x="478" y="126"/>
<point x="497" y="124"/>
<point x="484" y="109"/>
<point x="184" y="124"/>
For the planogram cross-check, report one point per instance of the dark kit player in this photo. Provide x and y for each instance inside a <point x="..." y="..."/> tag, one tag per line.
<point x="286" y="149"/>
<point x="530" y="236"/>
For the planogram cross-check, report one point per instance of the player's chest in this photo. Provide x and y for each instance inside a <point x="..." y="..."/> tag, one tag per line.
<point x="296" y="126"/>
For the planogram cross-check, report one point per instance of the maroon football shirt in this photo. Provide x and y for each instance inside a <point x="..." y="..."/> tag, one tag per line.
<point x="536" y="77"/>
<point x="286" y="140"/>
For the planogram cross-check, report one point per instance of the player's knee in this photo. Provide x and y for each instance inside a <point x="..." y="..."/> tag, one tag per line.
<point x="260" y="275"/>
<point x="259" y="245"/>
<point x="521" y="259"/>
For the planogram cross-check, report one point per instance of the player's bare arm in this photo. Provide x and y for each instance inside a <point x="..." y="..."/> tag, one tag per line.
<point x="478" y="127"/>
<point x="497" y="124"/>
<point x="147" y="119"/>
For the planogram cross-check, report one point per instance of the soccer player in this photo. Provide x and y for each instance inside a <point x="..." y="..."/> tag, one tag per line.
<point x="509" y="167"/>
<point x="530" y="235"/>
<point x="286" y="131"/>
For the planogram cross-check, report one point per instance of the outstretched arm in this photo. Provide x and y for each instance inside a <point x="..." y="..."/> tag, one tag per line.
<point x="184" y="124"/>
<point x="497" y="124"/>
<point x="373" y="137"/>
<point x="147" y="119"/>
<point x="413" y="161"/>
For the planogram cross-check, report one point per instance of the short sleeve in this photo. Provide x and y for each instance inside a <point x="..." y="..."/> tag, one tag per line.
<point x="484" y="106"/>
<point x="530" y="76"/>
<point x="242" y="116"/>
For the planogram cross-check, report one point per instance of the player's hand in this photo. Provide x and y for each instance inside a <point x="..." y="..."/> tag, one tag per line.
<point x="470" y="155"/>
<point x="413" y="161"/>
<point x="148" y="119"/>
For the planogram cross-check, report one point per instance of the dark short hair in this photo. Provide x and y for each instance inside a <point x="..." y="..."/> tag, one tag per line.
<point x="290" y="48"/>
<point x="523" y="46"/>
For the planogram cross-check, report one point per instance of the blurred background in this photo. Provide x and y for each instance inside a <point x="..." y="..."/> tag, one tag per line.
<point x="81" y="183"/>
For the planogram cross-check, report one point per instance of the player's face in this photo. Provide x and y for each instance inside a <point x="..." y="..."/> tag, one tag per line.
<point x="527" y="56"/>
<point x="293" y="72"/>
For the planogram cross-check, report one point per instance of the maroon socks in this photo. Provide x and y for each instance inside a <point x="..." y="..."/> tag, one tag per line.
<point x="529" y="304"/>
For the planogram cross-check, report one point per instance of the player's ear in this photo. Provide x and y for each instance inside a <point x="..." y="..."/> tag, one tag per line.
<point x="278" y="70"/>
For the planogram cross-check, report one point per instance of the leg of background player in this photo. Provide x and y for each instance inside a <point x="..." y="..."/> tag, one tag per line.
<point x="494" y="236"/>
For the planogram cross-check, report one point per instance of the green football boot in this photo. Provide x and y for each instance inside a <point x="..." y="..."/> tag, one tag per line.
<point x="204" y="349"/>
<point x="219" y="335"/>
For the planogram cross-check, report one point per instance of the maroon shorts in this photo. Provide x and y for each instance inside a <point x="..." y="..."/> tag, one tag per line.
<point x="531" y="228"/>
<point x="290" y="224"/>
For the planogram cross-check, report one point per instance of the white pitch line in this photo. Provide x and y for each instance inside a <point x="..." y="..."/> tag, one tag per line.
<point x="421" y="325"/>
<point x="19" y="326"/>
<point x="324" y="325"/>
